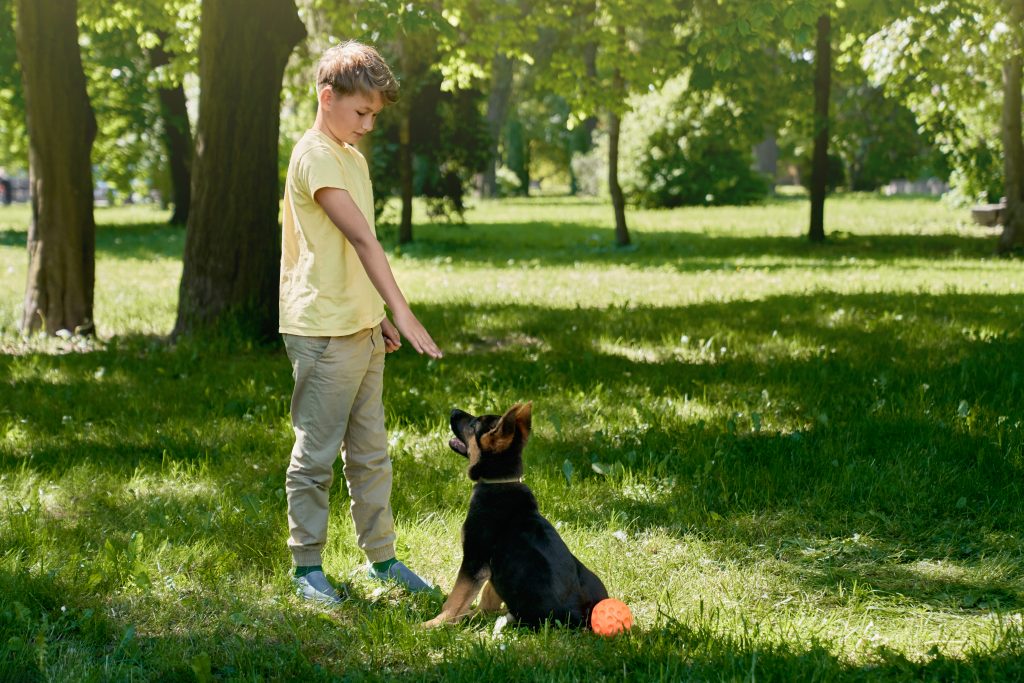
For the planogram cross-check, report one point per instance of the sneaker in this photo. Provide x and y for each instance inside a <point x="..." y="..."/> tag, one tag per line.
<point x="314" y="586"/>
<point x="400" y="574"/>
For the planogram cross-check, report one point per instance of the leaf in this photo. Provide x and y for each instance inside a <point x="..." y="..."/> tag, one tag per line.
<point x="556" y="422"/>
<point x="201" y="667"/>
<point x="567" y="472"/>
<point x="963" y="409"/>
<point x="608" y="469"/>
<point x="961" y="503"/>
<point x="724" y="60"/>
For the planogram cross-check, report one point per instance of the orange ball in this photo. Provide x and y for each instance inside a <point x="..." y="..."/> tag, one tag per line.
<point x="610" y="617"/>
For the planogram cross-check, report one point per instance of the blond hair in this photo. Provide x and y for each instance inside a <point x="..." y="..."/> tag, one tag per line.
<point x="354" y="67"/>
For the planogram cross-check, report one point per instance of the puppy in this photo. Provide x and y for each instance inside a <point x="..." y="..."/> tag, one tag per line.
<point x="508" y="548"/>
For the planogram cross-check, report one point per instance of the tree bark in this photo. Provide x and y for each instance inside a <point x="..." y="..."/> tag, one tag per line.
<point x="233" y="241"/>
<point x="819" y="161"/>
<point x="61" y="128"/>
<point x="618" y="200"/>
<point x="502" y="71"/>
<point x="177" y="135"/>
<point x="1013" y="145"/>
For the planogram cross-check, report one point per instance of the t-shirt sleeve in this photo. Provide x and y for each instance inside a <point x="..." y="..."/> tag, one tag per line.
<point x="319" y="168"/>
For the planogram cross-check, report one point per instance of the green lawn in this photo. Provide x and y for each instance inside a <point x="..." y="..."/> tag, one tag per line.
<point x="792" y="462"/>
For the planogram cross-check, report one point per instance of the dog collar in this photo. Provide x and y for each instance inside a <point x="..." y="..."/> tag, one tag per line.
<point x="509" y="480"/>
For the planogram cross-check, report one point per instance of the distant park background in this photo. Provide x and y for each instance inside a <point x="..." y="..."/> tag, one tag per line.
<point x="757" y="265"/>
<point x="661" y="104"/>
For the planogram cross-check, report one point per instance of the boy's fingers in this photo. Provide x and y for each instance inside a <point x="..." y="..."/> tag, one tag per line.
<point x="428" y="347"/>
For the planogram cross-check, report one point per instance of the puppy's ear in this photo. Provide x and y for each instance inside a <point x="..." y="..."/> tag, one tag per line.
<point x="501" y="435"/>
<point x="524" y="418"/>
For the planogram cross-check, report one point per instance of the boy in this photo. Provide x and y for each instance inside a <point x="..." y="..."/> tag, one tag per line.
<point x="335" y="281"/>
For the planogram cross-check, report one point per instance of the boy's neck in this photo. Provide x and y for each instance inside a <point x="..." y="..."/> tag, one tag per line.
<point x="319" y="126"/>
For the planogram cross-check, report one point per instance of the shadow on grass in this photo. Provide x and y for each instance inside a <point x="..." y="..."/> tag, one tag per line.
<point x="327" y="645"/>
<point x="566" y="243"/>
<point x="898" y="419"/>
<point x="135" y="241"/>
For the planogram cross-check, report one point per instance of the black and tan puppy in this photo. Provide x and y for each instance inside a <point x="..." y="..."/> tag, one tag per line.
<point x="508" y="549"/>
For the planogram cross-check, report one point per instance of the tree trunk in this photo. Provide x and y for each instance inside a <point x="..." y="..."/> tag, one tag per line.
<point x="618" y="201"/>
<point x="177" y="135"/>
<point x="502" y="70"/>
<point x="517" y="154"/>
<point x="233" y="241"/>
<point x="766" y="153"/>
<point x="61" y="128"/>
<point x="405" y="173"/>
<point x="819" y="162"/>
<point x="410" y="85"/>
<point x="1013" y="147"/>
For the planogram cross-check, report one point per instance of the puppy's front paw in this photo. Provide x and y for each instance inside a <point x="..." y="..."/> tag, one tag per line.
<point x="433" y="623"/>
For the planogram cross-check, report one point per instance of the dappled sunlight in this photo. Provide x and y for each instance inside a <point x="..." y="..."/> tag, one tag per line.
<point x="755" y="443"/>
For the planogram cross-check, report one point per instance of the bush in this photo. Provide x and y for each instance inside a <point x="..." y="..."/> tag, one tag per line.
<point x="694" y="160"/>
<point x="681" y="146"/>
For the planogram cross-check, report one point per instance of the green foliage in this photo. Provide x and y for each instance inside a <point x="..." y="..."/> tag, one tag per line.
<point x="128" y="153"/>
<point x="13" y="132"/>
<point x="876" y="137"/>
<point x="955" y="94"/>
<point x="696" y="158"/>
<point x="448" y="140"/>
<point x="126" y="148"/>
<point x="687" y="146"/>
<point x="546" y="141"/>
<point x="634" y="47"/>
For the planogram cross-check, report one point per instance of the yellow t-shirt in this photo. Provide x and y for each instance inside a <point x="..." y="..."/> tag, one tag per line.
<point x="325" y="290"/>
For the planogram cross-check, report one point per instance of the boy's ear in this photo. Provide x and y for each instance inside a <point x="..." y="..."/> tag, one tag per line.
<point x="325" y="96"/>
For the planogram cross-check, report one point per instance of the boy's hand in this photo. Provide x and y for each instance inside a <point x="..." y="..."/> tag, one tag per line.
<point x="392" y="340"/>
<point x="417" y="334"/>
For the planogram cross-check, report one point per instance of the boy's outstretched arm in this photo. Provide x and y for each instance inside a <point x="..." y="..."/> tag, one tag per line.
<point x="344" y="213"/>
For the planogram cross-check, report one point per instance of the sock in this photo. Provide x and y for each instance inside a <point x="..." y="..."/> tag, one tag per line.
<point x="384" y="566"/>
<point x="302" y="571"/>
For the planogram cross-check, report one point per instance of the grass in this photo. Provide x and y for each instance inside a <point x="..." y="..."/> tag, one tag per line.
<point x="792" y="462"/>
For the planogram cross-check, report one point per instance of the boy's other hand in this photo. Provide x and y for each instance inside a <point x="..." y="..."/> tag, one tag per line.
<point x="417" y="334"/>
<point x="392" y="339"/>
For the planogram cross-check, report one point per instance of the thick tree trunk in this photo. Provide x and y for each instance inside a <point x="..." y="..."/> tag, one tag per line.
<point x="177" y="134"/>
<point x="61" y="127"/>
<point x="502" y="70"/>
<point x="819" y="161"/>
<point x="1013" y="149"/>
<point x="233" y="241"/>
<point x="618" y="200"/>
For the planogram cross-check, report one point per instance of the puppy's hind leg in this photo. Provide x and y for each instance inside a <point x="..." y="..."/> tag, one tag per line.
<point x="490" y="601"/>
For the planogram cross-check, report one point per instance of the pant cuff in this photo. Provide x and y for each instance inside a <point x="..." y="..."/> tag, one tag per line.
<point x="306" y="558"/>
<point x="385" y="552"/>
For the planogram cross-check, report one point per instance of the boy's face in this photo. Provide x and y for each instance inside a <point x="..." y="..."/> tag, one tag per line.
<point x="349" y="117"/>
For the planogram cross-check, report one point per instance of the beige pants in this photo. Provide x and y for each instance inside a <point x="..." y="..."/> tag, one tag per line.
<point x="338" y="400"/>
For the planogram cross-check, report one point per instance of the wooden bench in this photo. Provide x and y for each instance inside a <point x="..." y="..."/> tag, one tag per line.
<point x="988" y="214"/>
